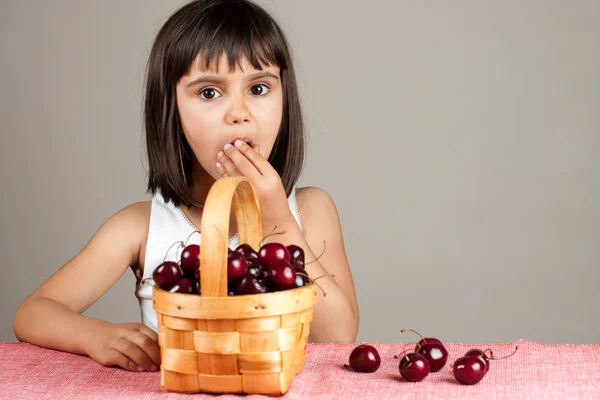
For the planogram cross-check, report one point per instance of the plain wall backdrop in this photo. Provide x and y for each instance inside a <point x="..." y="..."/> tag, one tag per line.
<point x="460" y="141"/>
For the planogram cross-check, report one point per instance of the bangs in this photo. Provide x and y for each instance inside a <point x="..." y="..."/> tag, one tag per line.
<point x="234" y="29"/>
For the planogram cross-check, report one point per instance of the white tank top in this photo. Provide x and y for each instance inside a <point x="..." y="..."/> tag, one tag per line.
<point x="168" y="224"/>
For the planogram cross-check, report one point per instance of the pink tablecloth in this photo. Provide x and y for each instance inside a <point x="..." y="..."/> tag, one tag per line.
<point x="536" y="371"/>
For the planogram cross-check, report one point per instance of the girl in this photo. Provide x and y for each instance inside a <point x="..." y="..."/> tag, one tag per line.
<point x="221" y="100"/>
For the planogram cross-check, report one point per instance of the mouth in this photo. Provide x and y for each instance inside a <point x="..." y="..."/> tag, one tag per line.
<point x="243" y="139"/>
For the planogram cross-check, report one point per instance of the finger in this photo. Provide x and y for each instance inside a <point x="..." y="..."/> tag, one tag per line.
<point x="130" y="349"/>
<point x="121" y="360"/>
<point x="148" y="346"/>
<point x="259" y="162"/>
<point x="238" y="154"/>
<point x="229" y="166"/>
<point x="220" y="169"/>
<point x="147" y="331"/>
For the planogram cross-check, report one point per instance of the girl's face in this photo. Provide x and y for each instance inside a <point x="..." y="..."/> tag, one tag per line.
<point x="216" y="108"/>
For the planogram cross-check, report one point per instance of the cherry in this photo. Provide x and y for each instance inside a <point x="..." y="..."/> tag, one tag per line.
<point x="273" y="251"/>
<point x="281" y="275"/>
<point x="190" y="258"/>
<point x="364" y="358"/>
<point x="247" y="251"/>
<point x="297" y="256"/>
<point x="468" y="370"/>
<point x="251" y="285"/>
<point x="432" y="349"/>
<point x="481" y="355"/>
<point x="167" y="274"/>
<point x="414" y="367"/>
<point x="436" y="355"/>
<point x="183" y="285"/>
<point x="484" y="357"/>
<point x="236" y="267"/>
<point x="300" y="280"/>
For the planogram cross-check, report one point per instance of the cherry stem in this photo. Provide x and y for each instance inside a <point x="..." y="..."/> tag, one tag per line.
<point x="179" y="243"/>
<point x="269" y="235"/>
<point x="410" y="330"/>
<point x="502" y="358"/>
<point x="404" y="349"/>
<point x="320" y="255"/>
<point x="188" y="238"/>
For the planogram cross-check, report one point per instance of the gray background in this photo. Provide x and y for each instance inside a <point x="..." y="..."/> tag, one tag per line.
<point x="460" y="141"/>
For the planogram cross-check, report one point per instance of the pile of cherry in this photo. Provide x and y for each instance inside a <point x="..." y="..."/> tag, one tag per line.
<point x="429" y="355"/>
<point x="274" y="267"/>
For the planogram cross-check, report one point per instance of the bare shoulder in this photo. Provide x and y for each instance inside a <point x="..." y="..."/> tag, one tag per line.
<point x="316" y="205"/>
<point x="125" y="229"/>
<point x="319" y="216"/>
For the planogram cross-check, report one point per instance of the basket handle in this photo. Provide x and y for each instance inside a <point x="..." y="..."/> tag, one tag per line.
<point x="214" y="229"/>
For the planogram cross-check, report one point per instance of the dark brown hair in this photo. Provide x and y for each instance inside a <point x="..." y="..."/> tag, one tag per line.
<point x="208" y="28"/>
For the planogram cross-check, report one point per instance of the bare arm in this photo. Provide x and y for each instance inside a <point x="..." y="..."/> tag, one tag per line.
<point x="51" y="316"/>
<point x="336" y="316"/>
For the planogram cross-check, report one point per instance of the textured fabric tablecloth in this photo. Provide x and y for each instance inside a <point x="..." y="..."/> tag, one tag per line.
<point x="536" y="371"/>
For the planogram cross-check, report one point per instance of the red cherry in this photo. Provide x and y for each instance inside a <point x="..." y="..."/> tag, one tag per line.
<point x="236" y="267"/>
<point x="183" y="286"/>
<point x="365" y="358"/>
<point x="297" y="256"/>
<point x="251" y="285"/>
<point x="414" y="367"/>
<point x="429" y="340"/>
<point x="190" y="258"/>
<point x="247" y="251"/>
<point x="469" y="370"/>
<point x="281" y="275"/>
<point x="273" y="251"/>
<point x="300" y="280"/>
<point x="481" y="355"/>
<point x="167" y="274"/>
<point x="436" y="355"/>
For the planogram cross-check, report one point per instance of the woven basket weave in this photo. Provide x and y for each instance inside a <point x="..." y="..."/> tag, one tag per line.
<point x="215" y="343"/>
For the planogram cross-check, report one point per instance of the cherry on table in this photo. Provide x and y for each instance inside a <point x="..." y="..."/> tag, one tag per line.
<point x="432" y="349"/>
<point x="468" y="370"/>
<point x="364" y="358"/>
<point x="485" y="358"/>
<point x="436" y="355"/>
<point x="414" y="367"/>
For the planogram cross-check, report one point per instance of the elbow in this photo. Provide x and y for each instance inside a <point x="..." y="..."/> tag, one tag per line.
<point x="20" y="320"/>
<point x="17" y="323"/>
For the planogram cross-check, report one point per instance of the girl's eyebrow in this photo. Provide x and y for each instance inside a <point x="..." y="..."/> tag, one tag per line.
<point x="214" y="79"/>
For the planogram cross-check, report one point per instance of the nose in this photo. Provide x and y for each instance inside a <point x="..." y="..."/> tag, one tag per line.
<point x="238" y="113"/>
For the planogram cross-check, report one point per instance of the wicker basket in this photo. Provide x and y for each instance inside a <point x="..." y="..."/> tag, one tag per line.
<point x="215" y="343"/>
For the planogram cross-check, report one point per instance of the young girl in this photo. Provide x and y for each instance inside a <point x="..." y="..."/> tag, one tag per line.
<point x="221" y="100"/>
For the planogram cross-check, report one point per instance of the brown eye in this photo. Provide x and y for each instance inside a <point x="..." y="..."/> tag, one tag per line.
<point x="259" y="90"/>
<point x="208" y="94"/>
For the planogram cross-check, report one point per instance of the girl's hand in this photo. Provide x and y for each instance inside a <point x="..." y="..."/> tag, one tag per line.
<point x="243" y="160"/>
<point x="131" y="346"/>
